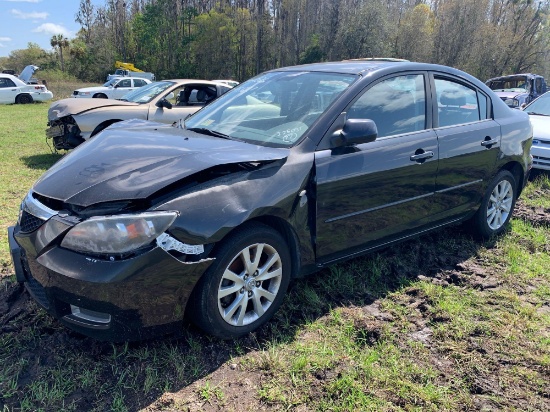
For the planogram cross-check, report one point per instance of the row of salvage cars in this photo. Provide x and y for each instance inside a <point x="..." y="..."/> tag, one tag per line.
<point x="210" y="218"/>
<point x="73" y="121"/>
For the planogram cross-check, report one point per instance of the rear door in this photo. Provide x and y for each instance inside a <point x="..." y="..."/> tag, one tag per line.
<point x="385" y="188"/>
<point x="8" y="90"/>
<point x="469" y="144"/>
<point x="124" y="86"/>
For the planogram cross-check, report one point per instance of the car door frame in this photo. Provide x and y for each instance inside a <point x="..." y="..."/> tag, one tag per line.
<point x="325" y="223"/>
<point x="461" y="185"/>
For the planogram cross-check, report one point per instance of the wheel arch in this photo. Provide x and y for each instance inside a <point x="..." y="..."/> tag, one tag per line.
<point x="283" y="228"/>
<point x="518" y="173"/>
<point x="23" y="94"/>
<point x="104" y="125"/>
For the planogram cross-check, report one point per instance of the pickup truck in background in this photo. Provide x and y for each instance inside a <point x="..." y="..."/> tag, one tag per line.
<point x="517" y="90"/>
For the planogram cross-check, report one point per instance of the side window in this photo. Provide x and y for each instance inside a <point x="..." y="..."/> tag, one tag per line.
<point x="125" y="83"/>
<point x="538" y="85"/>
<point x="138" y="83"/>
<point x="482" y="100"/>
<point x="457" y="104"/>
<point x="397" y="105"/>
<point x="6" y="83"/>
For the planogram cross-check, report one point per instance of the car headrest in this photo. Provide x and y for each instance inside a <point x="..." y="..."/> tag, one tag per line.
<point x="201" y="96"/>
<point x="452" y="98"/>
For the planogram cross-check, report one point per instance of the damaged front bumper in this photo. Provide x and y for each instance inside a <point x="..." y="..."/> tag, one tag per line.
<point x="64" y="133"/>
<point x="117" y="300"/>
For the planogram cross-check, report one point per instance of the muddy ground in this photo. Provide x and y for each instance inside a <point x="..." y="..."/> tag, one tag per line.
<point x="220" y="363"/>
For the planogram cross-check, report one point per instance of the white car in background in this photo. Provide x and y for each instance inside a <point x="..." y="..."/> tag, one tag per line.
<point x="14" y="90"/>
<point x="113" y="89"/>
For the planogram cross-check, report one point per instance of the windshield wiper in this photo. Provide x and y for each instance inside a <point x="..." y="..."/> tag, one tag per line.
<point x="209" y="132"/>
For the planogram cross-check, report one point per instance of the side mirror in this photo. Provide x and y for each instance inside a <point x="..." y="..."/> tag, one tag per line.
<point x="355" y="131"/>
<point x="163" y="103"/>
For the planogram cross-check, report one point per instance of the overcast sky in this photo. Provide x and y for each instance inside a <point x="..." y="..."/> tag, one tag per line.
<point x="36" y="21"/>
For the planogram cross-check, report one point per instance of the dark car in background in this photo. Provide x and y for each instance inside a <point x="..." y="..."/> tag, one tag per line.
<point x="517" y="90"/>
<point x="298" y="168"/>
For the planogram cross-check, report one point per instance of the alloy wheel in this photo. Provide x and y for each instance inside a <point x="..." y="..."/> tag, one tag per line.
<point x="250" y="284"/>
<point x="500" y="204"/>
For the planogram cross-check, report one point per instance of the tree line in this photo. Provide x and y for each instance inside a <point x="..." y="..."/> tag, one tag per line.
<point x="214" y="39"/>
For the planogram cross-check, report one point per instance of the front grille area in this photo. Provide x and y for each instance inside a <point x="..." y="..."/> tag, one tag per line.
<point x="541" y="161"/>
<point x="37" y="292"/>
<point x="29" y="223"/>
<point x="35" y="289"/>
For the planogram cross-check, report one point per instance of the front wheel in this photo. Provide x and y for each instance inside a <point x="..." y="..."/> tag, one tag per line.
<point x="100" y="96"/>
<point x="245" y="285"/>
<point x="496" y="207"/>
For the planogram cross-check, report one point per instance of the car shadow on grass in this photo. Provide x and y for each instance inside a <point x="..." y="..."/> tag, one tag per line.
<point x="41" y="161"/>
<point x="46" y="365"/>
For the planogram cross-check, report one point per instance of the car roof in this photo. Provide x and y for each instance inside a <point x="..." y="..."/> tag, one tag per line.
<point x="514" y="75"/>
<point x="184" y="81"/>
<point x="15" y="79"/>
<point x="364" y="66"/>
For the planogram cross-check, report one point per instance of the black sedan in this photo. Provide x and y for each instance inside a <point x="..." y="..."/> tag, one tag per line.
<point x="295" y="169"/>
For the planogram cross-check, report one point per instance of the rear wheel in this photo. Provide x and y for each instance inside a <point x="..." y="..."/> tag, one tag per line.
<point x="23" y="99"/>
<point x="496" y="207"/>
<point x="245" y="285"/>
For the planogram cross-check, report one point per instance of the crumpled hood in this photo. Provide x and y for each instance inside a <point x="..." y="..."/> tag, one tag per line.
<point x="509" y="95"/>
<point x="65" y="107"/>
<point x="136" y="158"/>
<point x="541" y="127"/>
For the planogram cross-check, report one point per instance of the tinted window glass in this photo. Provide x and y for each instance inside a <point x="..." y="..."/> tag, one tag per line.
<point x="396" y="105"/>
<point x="4" y="82"/>
<point x="457" y="104"/>
<point x="125" y="83"/>
<point x="482" y="100"/>
<point x="138" y="82"/>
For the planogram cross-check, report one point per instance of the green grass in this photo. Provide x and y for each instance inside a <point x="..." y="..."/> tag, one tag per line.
<point x="440" y="323"/>
<point x="25" y="156"/>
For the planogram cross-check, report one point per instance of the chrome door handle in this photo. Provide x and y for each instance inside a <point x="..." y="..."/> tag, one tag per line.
<point x="422" y="156"/>
<point x="489" y="142"/>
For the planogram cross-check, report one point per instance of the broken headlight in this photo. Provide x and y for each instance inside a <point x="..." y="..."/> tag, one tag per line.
<point x="512" y="102"/>
<point x="118" y="233"/>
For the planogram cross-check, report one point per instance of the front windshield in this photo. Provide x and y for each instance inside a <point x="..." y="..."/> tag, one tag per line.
<point x="111" y="82"/>
<point x="540" y="106"/>
<point x="510" y="84"/>
<point x="147" y="93"/>
<point x="273" y="109"/>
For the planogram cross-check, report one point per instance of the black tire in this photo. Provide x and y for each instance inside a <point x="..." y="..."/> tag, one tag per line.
<point x="23" y="99"/>
<point x="99" y="96"/>
<point x="254" y="300"/>
<point x="496" y="207"/>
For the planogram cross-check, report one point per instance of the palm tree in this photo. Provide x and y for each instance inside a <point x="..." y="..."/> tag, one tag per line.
<point x="59" y="41"/>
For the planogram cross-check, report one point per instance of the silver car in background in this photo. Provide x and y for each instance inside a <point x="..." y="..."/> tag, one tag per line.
<point x="539" y="114"/>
